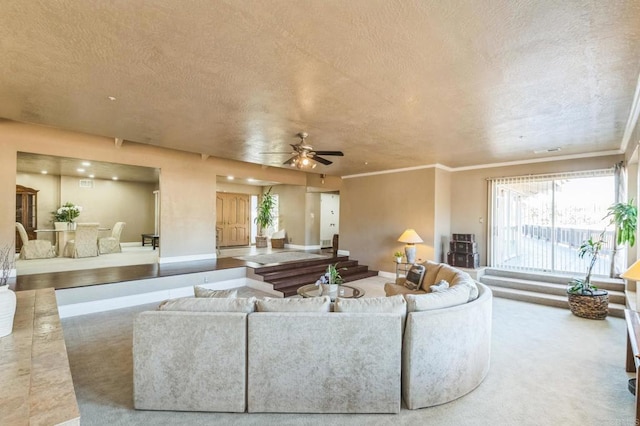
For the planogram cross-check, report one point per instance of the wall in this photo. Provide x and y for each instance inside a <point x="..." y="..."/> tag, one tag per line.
<point x="329" y="217"/>
<point x="292" y="199"/>
<point x="48" y="187"/>
<point x="187" y="182"/>
<point x="376" y="209"/>
<point x="442" y="215"/>
<point x="312" y="220"/>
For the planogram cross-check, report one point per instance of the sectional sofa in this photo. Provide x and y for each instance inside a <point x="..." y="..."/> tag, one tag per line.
<point x="309" y="355"/>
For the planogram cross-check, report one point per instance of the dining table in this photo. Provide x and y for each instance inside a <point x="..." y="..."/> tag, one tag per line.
<point x="62" y="235"/>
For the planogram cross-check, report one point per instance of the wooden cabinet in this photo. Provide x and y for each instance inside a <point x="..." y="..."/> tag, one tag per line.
<point x="26" y="212"/>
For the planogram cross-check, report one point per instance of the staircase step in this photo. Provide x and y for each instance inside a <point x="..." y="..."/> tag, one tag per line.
<point x="310" y="278"/>
<point x="299" y="264"/>
<point x="605" y="283"/>
<point x="615" y="296"/>
<point x="317" y="270"/>
<point x="615" y="309"/>
<point x="293" y="290"/>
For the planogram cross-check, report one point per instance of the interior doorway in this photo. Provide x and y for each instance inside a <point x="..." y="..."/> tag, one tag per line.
<point x="232" y="219"/>
<point x="329" y="218"/>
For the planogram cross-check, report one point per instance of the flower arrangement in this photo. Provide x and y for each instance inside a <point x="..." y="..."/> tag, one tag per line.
<point x="66" y="213"/>
<point x="331" y="276"/>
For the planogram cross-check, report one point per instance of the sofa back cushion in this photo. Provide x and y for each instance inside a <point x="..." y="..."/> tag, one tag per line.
<point x="309" y="304"/>
<point x="205" y="292"/>
<point x="430" y="274"/>
<point x="453" y="296"/>
<point x="208" y="304"/>
<point x="456" y="277"/>
<point x="373" y="305"/>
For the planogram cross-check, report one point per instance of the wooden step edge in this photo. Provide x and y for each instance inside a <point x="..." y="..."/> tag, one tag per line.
<point x="296" y="270"/>
<point x="299" y="263"/>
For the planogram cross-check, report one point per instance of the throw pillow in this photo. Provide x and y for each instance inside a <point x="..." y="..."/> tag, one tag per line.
<point x="456" y="295"/>
<point x="210" y="304"/>
<point x="309" y="304"/>
<point x="205" y="292"/>
<point x="414" y="277"/>
<point x="440" y="286"/>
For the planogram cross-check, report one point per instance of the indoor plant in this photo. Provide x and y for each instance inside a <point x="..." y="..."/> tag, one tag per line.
<point x="7" y="296"/>
<point x="264" y="218"/>
<point x="330" y="281"/>
<point x="398" y="255"/>
<point x="585" y="299"/>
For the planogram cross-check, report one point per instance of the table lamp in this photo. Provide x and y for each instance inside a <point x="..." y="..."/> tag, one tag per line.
<point x="410" y="237"/>
<point x="633" y="273"/>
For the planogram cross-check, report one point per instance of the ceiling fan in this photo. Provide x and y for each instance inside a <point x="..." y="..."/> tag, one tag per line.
<point x="305" y="156"/>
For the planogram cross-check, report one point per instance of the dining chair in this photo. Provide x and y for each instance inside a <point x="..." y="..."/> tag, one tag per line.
<point x="85" y="243"/>
<point x="34" y="249"/>
<point x="112" y="244"/>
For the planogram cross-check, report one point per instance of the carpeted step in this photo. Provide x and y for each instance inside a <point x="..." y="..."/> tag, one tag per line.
<point x="615" y="309"/>
<point x="615" y="296"/>
<point x="605" y="283"/>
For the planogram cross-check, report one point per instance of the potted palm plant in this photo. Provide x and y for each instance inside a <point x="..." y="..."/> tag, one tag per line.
<point x="264" y="218"/>
<point x="585" y="299"/>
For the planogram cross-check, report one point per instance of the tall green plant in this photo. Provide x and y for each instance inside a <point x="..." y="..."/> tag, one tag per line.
<point x="264" y="217"/>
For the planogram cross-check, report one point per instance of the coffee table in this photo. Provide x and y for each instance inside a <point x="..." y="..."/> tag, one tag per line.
<point x="345" y="291"/>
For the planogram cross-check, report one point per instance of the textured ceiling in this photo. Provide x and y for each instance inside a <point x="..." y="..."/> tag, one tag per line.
<point x="392" y="84"/>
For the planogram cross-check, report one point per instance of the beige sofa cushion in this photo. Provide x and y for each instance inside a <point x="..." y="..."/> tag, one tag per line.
<point x="205" y="292"/>
<point x="453" y="296"/>
<point x="210" y="304"/>
<point x="456" y="277"/>
<point x="391" y="289"/>
<point x="373" y="305"/>
<point x="310" y="304"/>
<point x="430" y="275"/>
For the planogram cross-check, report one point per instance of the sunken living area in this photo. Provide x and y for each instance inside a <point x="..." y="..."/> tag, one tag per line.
<point x="451" y="163"/>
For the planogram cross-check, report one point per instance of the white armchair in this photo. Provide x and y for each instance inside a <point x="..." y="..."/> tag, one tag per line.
<point x="112" y="244"/>
<point x="34" y="249"/>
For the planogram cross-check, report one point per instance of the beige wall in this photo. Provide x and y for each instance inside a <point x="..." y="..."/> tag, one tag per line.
<point x="48" y="187"/>
<point x="469" y="192"/>
<point x="187" y="182"/>
<point x="442" y="215"/>
<point x="312" y="219"/>
<point x="292" y="200"/>
<point x="375" y="210"/>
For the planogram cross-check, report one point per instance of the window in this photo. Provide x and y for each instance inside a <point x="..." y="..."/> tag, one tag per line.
<point x="539" y="222"/>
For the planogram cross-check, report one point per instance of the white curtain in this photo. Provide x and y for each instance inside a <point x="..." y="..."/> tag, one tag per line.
<point x="619" y="258"/>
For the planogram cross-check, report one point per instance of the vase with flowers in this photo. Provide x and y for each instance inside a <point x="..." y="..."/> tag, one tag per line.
<point x="7" y="296"/>
<point x="68" y="212"/>
<point x="330" y="281"/>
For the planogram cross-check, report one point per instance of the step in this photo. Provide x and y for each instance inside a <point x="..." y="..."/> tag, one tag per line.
<point x="615" y="309"/>
<point x="315" y="269"/>
<point x="604" y="283"/>
<point x="299" y="264"/>
<point x="293" y="290"/>
<point x="615" y="296"/>
<point x="310" y="278"/>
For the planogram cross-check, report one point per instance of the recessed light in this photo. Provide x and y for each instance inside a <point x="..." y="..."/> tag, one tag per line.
<point x="80" y="170"/>
<point x="92" y="176"/>
<point x="230" y="178"/>
<point x="251" y="180"/>
<point x="44" y="172"/>
<point x="115" y="178"/>
<point x="86" y="163"/>
<point x="111" y="98"/>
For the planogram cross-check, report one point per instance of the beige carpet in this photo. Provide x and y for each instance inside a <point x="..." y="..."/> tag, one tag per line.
<point x="547" y="368"/>
<point x="280" y="257"/>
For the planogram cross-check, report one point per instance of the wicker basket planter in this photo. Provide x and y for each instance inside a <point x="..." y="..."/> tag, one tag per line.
<point x="261" y="242"/>
<point x="277" y="243"/>
<point x="591" y="305"/>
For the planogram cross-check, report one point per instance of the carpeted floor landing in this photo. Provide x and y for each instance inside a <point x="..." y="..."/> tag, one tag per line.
<point x="548" y="368"/>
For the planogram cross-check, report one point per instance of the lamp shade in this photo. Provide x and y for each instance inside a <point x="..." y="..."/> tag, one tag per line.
<point x="410" y="236"/>
<point x="633" y="273"/>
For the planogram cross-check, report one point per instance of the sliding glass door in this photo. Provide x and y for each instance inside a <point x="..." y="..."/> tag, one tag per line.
<point x="539" y="222"/>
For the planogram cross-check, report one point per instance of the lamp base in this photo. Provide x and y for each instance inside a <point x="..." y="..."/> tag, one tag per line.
<point x="410" y="253"/>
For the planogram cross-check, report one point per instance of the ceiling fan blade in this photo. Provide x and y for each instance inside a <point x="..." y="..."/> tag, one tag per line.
<point x="290" y="160"/>
<point x="338" y="153"/>
<point x="322" y="160"/>
<point x="276" y="152"/>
